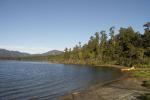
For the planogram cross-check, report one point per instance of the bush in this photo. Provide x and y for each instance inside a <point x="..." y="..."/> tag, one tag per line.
<point x="145" y="97"/>
<point x="146" y="83"/>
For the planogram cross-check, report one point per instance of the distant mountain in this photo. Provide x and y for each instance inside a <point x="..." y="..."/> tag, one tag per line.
<point x="52" y="52"/>
<point x="7" y="53"/>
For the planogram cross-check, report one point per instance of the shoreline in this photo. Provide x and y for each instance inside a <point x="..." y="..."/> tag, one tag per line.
<point x="114" y="66"/>
<point x="122" y="88"/>
<point x="107" y="92"/>
<point x="70" y="96"/>
<point x="125" y="87"/>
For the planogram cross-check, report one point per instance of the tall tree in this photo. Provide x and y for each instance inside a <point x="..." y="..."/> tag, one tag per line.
<point x="66" y="54"/>
<point x="146" y="36"/>
<point x="147" y="26"/>
<point x="125" y="48"/>
<point x="112" y="32"/>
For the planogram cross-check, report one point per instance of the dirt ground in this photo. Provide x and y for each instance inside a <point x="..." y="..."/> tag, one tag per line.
<point x="127" y="88"/>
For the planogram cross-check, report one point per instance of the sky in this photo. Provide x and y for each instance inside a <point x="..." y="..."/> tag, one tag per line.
<point x="37" y="26"/>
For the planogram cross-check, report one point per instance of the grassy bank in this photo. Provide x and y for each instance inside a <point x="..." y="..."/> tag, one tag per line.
<point x="135" y="85"/>
<point x="143" y="73"/>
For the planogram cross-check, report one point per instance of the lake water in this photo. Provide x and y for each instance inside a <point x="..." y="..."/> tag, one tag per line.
<point x="43" y="81"/>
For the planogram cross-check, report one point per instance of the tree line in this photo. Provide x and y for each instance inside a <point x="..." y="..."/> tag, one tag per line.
<point x="128" y="48"/>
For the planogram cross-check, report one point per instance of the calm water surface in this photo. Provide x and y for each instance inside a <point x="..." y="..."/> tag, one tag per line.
<point x="41" y="81"/>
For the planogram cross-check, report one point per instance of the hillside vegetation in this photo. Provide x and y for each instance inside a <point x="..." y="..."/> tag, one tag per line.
<point x="127" y="47"/>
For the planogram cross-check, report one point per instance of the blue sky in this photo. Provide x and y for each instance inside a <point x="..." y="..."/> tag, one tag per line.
<point x="36" y="26"/>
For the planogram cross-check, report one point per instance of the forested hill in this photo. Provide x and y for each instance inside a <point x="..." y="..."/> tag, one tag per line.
<point x="7" y="53"/>
<point x="128" y="48"/>
<point x="52" y="52"/>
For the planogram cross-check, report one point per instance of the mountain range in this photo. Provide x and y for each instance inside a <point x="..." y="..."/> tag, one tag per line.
<point x="8" y="53"/>
<point x="53" y="52"/>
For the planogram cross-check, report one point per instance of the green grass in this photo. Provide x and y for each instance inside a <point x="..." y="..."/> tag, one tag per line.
<point x="142" y="65"/>
<point x="147" y="97"/>
<point x="141" y="74"/>
<point x="146" y="83"/>
<point x="144" y="97"/>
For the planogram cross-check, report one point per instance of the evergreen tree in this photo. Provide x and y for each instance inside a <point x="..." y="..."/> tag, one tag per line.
<point x="125" y="48"/>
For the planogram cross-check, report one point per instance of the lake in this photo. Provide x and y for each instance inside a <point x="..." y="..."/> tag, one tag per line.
<point x="21" y="80"/>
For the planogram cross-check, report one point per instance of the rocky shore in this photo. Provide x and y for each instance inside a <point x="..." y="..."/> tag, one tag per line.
<point x="126" y="88"/>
